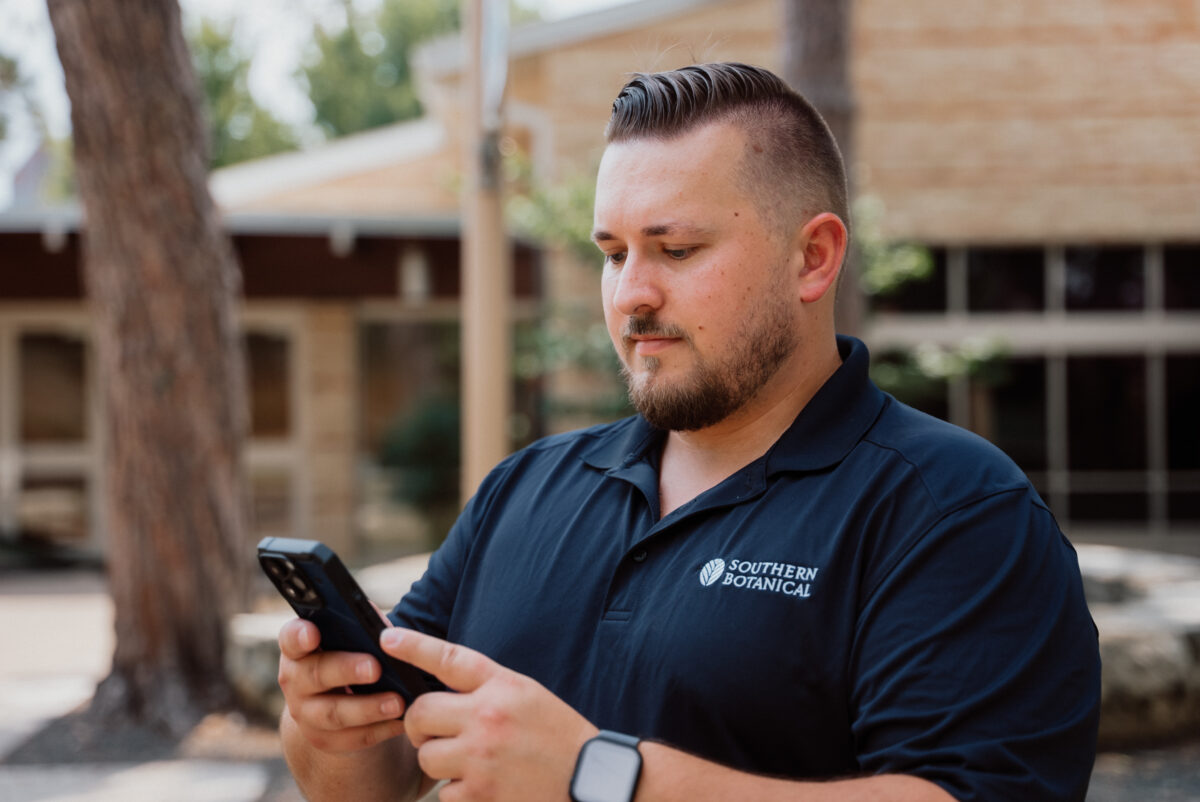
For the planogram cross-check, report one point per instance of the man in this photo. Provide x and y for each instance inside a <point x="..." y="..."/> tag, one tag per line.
<point x="788" y="585"/>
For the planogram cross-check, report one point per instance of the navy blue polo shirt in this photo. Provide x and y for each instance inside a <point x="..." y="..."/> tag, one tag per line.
<point x="879" y="593"/>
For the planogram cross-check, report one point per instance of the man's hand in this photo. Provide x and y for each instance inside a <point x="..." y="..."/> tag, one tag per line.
<point x="502" y="737"/>
<point x="333" y="722"/>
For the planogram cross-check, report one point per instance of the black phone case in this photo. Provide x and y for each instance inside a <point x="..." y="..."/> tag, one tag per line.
<point x="309" y="575"/>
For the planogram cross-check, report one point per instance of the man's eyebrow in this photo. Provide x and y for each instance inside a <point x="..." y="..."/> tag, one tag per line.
<point x="677" y="229"/>
<point x="659" y="230"/>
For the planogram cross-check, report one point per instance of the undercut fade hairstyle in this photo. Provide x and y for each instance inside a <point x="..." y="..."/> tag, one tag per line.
<point x="792" y="163"/>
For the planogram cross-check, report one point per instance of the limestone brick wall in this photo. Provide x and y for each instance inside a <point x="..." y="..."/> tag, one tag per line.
<point x="1031" y="121"/>
<point x="328" y="368"/>
<point x="576" y="84"/>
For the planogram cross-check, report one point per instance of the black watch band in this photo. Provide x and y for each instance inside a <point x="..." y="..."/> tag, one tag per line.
<point x="607" y="769"/>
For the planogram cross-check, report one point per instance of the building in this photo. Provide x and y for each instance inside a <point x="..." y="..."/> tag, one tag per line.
<point x="1049" y="156"/>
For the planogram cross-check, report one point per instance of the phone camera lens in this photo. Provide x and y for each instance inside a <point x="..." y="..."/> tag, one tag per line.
<point x="280" y="568"/>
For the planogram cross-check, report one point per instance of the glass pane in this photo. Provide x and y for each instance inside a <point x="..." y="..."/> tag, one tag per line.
<point x="271" y="500"/>
<point x="1181" y="276"/>
<point x="53" y="397"/>
<point x="1010" y="410"/>
<point x="928" y="295"/>
<point x="1183" y="506"/>
<point x="268" y="358"/>
<point x="1005" y="279"/>
<point x="1183" y="412"/>
<point x="53" y="509"/>
<point x="1102" y="507"/>
<point x="1106" y="413"/>
<point x="1105" y="279"/>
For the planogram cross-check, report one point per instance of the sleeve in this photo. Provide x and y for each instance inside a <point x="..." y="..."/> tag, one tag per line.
<point x="976" y="663"/>
<point x="429" y="604"/>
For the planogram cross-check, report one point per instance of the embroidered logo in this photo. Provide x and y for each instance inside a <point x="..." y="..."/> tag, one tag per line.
<point x="712" y="571"/>
<point x="773" y="577"/>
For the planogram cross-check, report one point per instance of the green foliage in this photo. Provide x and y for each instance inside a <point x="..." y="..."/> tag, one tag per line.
<point x="360" y="76"/>
<point x="923" y="371"/>
<point x="239" y="128"/>
<point x="423" y="447"/>
<point x="17" y="101"/>
<point x="560" y="214"/>
<point x="885" y="265"/>
<point x="10" y="79"/>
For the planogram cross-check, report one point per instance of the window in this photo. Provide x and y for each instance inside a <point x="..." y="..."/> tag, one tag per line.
<point x="1097" y="393"/>
<point x="1183" y="412"/>
<point x="1106" y="413"/>
<point x="1010" y="410"/>
<point x="1183" y="438"/>
<point x="268" y="361"/>
<point x="1181" y="277"/>
<point x="46" y="492"/>
<point x="54" y="508"/>
<point x="52" y="399"/>
<point x="1005" y="279"/>
<point x="1104" y="279"/>
<point x="273" y="464"/>
<point x="923" y="295"/>
<point x="1107" y="507"/>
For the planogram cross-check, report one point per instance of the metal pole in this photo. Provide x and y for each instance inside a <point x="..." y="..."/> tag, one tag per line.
<point x="486" y="271"/>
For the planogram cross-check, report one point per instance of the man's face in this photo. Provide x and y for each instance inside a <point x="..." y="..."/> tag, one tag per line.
<point x="698" y="290"/>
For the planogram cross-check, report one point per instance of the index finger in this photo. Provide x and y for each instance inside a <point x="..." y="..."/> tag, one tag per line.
<point x="459" y="668"/>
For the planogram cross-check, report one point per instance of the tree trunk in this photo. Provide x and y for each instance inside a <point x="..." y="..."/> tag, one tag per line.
<point x="816" y="62"/>
<point x="163" y="287"/>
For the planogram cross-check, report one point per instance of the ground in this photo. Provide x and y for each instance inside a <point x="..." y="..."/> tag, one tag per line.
<point x="1165" y="774"/>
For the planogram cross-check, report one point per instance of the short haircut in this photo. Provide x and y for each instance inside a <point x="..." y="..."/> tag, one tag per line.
<point x="800" y="172"/>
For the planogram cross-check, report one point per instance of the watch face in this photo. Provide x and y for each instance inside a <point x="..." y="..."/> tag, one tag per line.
<point x="607" y="772"/>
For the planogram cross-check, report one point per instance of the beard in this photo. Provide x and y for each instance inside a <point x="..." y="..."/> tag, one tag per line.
<point x="714" y="388"/>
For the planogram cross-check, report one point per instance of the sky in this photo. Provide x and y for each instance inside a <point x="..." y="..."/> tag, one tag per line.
<point x="274" y="30"/>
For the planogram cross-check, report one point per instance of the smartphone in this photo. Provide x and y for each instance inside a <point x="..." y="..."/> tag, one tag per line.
<point x="309" y="575"/>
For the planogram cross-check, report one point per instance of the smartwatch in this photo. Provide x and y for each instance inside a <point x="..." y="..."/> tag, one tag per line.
<point x="607" y="769"/>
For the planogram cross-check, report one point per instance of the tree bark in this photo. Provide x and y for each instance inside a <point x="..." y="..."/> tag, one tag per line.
<point x="816" y="62"/>
<point x="163" y="287"/>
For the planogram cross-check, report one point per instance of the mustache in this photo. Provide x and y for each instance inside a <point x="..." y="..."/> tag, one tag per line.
<point x="650" y="326"/>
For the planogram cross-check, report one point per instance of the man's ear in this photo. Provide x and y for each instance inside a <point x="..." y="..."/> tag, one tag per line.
<point x="822" y="241"/>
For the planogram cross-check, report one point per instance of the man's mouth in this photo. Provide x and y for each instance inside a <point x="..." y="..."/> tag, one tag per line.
<point x="646" y="337"/>
<point x="652" y="346"/>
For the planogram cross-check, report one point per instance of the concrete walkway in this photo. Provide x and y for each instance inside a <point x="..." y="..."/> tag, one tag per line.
<point x="58" y="641"/>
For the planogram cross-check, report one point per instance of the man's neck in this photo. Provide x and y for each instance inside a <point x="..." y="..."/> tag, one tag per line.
<point x="693" y="462"/>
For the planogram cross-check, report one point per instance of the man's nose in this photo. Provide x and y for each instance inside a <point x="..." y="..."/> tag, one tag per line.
<point x="639" y="288"/>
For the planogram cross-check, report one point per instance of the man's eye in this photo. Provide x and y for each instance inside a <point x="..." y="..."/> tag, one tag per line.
<point x="616" y="258"/>
<point x="678" y="253"/>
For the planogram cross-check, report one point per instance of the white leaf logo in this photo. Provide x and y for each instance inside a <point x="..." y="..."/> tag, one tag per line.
<point x="712" y="571"/>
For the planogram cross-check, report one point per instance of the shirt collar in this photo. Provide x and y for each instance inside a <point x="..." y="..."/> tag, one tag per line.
<point x="835" y="419"/>
<point x="824" y="432"/>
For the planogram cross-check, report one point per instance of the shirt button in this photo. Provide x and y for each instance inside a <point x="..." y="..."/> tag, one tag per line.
<point x="640" y="556"/>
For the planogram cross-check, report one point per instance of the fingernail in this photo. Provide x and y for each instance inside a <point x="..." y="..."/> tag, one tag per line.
<point x="390" y="708"/>
<point x="307" y="641"/>
<point x="391" y="637"/>
<point x="363" y="669"/>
